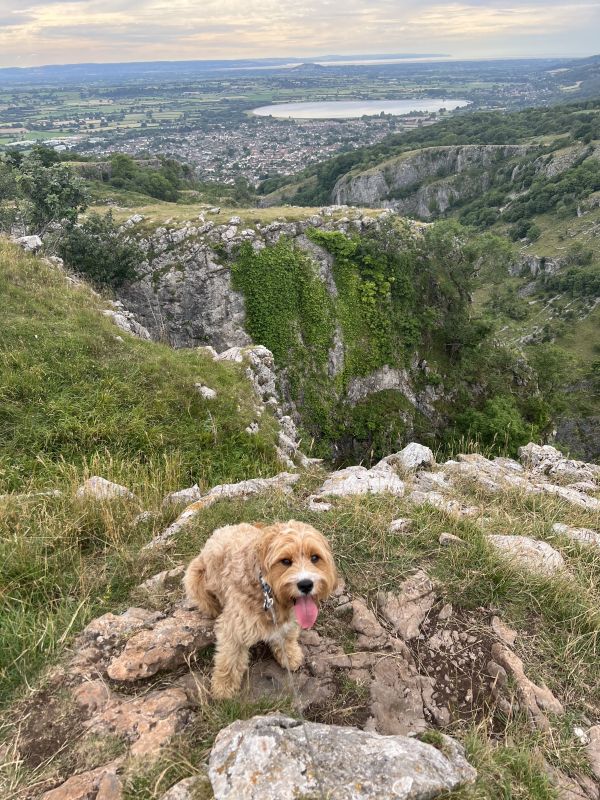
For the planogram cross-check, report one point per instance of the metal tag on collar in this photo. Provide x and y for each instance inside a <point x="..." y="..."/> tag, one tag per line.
<point x="268" y="599"/>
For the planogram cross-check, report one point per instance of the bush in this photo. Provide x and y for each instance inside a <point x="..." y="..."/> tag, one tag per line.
<point x="53" y="193"/>
<point x="498" y="425"/>
<point x="98" y="250"/>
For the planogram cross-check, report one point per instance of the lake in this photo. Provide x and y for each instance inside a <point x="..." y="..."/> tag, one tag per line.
<point x="349" y="109"/>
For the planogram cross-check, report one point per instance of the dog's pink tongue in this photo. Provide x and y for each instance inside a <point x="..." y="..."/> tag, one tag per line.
<point x="306" y="611"/>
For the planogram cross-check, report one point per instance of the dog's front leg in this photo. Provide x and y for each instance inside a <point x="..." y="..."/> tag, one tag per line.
<point x="231" y="656"/>
<point x="287" y="650"/>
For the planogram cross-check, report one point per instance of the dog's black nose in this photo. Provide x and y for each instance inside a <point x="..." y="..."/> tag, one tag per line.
<point x="305" y="586"/>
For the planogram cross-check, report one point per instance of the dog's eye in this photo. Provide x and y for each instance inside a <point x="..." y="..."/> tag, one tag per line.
<point x="286" y="562"/>
<point x="314" y="558"/>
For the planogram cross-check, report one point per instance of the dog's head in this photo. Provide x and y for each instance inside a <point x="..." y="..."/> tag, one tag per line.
<point x="296" y="561"/>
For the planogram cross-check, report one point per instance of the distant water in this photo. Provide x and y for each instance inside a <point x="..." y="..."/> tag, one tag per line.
<point x="349" y="109"/>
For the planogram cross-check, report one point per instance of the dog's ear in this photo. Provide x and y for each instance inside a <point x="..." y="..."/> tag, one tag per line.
<point x="269" y="535"/>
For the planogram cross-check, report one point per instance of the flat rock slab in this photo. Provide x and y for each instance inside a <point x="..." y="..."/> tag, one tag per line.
<point x="97" y="488"/>
<point x="531" y="554"/>
<point x="267" y="758"/>
<point x="98" y="784"/>
<point x="580" y="535"/>
<point x="360" y="480"/>
<point x="406" y="610"/>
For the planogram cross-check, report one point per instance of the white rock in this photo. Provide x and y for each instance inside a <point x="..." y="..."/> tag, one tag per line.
<point x="531" y="554"/>
<point x="186" y="496"/>
<point x="582" y="535"/>
<point x="449" y="539"/>
<point x="414" y="456"/>
<point x="205" y="391"/>
<point x="235" y="221"/>
<point x="359" y="480"/>
<point x="98" y="488"/>
<point x="401" y="525"/>
<point x="253" y="428"/>
<point x="315" y="503"/>
<point x="31" y="244"/>
<point x="267" y="758"/>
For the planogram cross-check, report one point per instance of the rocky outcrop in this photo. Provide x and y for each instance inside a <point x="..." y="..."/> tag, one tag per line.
<point x="426" y="182"/>
<point x="267" y="758"/>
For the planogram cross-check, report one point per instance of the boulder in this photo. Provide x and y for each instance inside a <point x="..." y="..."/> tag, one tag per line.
<point x="414" y="456"/>
<point x="531" y="554"/>
<point x="96" y="488"/>
<point x="359" y="480"/>
<point x="267" y="758"/>
<point x="31" y="244"/>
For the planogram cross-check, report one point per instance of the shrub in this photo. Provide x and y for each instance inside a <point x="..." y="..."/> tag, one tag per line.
<point x="101" y="252"/>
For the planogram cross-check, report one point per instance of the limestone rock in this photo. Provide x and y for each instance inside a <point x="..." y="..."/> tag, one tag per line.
<point x="97" y="488"/>
<point x="31" y="244"/>
<point x="283" y="481"/>
<point x="183" y="790"/>
<point x="186" y="496"/>
<point x="98" y="784"/>
<point x="126" y="322"/>
<point x="163" y="582"/>
<point x="581" y="535"/>
<point x="147" y="721"/>
<point x="401" y="525"/>
<point x="414" y="456"/>
<point x="165" y="646"/>
<point x="503" y="632"/>
<point x="266" y="758"/>
<point x="359" y="480"/>
<point x="205" y="391"/>
<point x="535" y="700"/>
<point x="450" y="540"/>
<point x="406" y="610"/>
<point x="593" y="750"/>
<point x="531" y="554"/>
<point x="437" y="500"/>
<point x="365" y="623"/>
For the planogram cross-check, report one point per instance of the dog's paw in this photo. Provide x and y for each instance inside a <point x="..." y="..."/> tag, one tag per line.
<point x="222" y="690"/>
<point x="292" y="657"/>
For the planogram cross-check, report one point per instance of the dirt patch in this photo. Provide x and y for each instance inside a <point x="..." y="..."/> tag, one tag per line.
<point x="350" y="704"/>
<point x="454" y="653"/>
<point x="49" y="724"/>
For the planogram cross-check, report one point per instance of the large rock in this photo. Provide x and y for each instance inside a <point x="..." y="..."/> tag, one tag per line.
<point x="31" y="244"/>
<point x="359" y="480"/>
<point x="268" y="758"/>
<point x="97" y="488"/>
<point x="98" y="784"/>
<point x="165" y="646"/>
<point x="547" y="460"/>
<point x="531" y="554"/>
<point x="414" y="456"/>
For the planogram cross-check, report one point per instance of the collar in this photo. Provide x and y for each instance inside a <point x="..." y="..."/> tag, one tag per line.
<point x="268" y="598"/>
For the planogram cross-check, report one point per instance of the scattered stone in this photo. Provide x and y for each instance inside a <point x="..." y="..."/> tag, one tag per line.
<point x="253" y="428"/>
<point x="318" y="504"/>
<point x="126" y="322"/>
<point x="446" y="612"/>
<point x="186" y="496"/>
<point x="23" y="498"/>
<point x="141" y="519"/>
<point x="168" y="644"/>
<point x="572" y="496"/>
<point x="413" y="457"/>
<point x="437" y="500"/>
<point x="215" y="210"/>
<point x="581" y="535"/>
<point x="266" y="758"/>
<point x="450" y="540"/>
<point x="97" y="488"/>
<point x="165" y="581"/>
<point x="98" y="784"/>
<point x="359" y="480"/>
<point x="401" y="525"/>
<point x="503" y="632"/>
<point x="531" y="554"/>
<point x="365" y="623"/>
<point x="205" y="391"/>
<point x="535" y="700"/>
<point x="407" y="610"/>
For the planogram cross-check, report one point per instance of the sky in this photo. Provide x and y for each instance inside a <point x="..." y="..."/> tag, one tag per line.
<point x="35" y="32"/>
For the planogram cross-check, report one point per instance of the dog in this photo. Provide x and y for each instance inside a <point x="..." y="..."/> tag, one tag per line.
<point x="263" y="584"/>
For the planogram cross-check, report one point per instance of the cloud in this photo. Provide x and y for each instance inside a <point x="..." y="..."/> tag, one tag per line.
<point x="60" y="31"/>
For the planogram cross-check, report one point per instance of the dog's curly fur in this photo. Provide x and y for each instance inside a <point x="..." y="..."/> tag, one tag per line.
<point x="223" y="581"/>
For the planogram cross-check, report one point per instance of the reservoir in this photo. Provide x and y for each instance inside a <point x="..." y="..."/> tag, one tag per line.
<point x="351" y="109"/>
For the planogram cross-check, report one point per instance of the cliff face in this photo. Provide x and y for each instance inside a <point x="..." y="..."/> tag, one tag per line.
<point x="426" y="182"/>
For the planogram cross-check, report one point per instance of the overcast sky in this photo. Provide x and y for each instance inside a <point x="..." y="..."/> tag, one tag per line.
<point x="34" y="32"/>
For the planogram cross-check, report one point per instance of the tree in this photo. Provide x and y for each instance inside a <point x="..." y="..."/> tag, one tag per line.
<point x="52" y="193"/>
